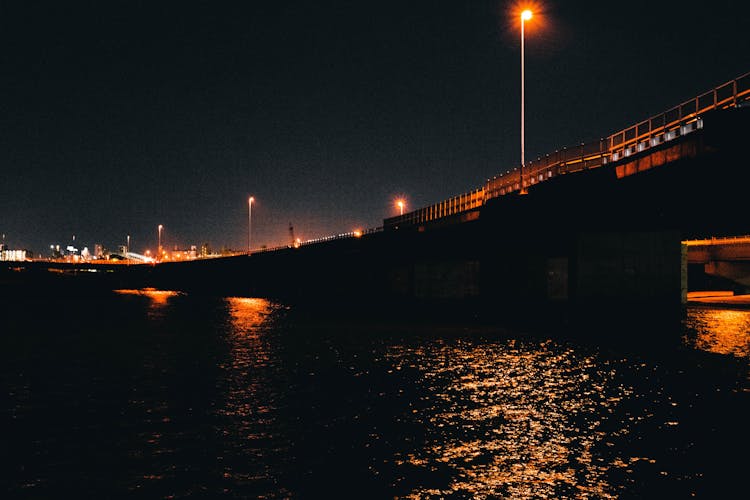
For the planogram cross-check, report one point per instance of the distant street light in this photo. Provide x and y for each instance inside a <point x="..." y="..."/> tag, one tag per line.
<point x="400" y="204"/>
<point x="525" y="16"/>
<point x="158" y="254"/>
<point x="249" y="222"/>
<point x="127" y="246"/>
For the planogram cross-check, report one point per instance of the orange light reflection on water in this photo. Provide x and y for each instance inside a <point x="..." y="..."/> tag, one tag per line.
<point x="247" y="346"/>
<point x="514" y="421"/>
<point x="248" y="313"/>
<point x="158" y="297"/>
<point x="718" y="330"/>
<point x="249" y="401"/>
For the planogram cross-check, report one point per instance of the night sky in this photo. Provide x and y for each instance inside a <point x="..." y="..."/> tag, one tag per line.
<point x="117" y="116"/>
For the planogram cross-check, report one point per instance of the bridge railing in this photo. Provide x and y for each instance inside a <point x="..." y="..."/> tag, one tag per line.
<point x="342" y="236"/>
<point x="323" y="239"/>
<point x="677" y="121"/>
<point x="457" y="204"/>
<point x="672" y="123"/>
<point x="566" y="160"/>
<point x="724" y="240"/>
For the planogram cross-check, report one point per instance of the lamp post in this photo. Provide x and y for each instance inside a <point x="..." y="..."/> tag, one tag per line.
<point x="158" y="250"/>
<point x="400" y="204"/>
<point x="525" y="16"/>
<point x="249" y="221"/>
<point x="127" y="247"/>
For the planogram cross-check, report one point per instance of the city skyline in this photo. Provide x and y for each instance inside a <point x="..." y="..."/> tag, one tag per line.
<point x="122" y="117"/>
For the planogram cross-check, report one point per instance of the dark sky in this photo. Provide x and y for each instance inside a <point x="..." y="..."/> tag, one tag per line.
<point x="117" y="116"/>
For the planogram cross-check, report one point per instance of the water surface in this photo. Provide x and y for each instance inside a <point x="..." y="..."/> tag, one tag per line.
<point x="150" y="394"/>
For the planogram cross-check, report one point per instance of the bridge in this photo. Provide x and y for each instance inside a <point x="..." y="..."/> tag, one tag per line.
<point x="726" y="258"/>
<point x="598" y="233"/>
<point x="650" y="143"/>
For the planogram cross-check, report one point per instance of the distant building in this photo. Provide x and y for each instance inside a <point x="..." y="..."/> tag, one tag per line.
<point x="183" y="254"/>
<point x="13" y="255"/>
<point x="55" y="252"/>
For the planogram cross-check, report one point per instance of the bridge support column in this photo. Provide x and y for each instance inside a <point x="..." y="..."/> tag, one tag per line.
<point x="627" y="278"/>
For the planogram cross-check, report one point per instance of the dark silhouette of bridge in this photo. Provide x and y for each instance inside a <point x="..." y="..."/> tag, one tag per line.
<point x="598" y="234"/>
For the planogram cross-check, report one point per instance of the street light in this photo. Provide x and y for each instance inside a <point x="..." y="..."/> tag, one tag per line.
<point x="525" y="16"/>
<point x="159" y="248"/>
<point x="400" y="205"/>
<point x="249" y="221"/>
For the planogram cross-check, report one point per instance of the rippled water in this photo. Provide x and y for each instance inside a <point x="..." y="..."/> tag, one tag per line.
<point x="150" y="394"/>
<point x="719" y="330"/>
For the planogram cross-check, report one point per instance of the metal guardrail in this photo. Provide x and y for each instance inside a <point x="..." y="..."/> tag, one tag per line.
<point x="666" y="126"/>
<point x="457" y="204"/>
<point x="324" y="239"/>
<point x="681" y="119"/>
<point x="567" y="160"/>
<point x="663" y="127"/>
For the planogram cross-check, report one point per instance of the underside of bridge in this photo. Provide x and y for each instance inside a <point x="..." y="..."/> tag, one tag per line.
<point x="610" y="239"/>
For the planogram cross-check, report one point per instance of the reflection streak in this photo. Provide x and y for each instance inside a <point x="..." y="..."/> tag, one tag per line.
<point x="249" y="407"/>
<point x="158" y="299"/>
<point x="721" y="331"/>
<point x="512" y="420"/>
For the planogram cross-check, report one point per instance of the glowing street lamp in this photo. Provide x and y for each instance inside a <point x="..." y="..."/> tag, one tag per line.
<point x="525" y="16"/>
<point x="158" y="255"/>
<point x="400" y="205"/>
<point x="249" y="221"/>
